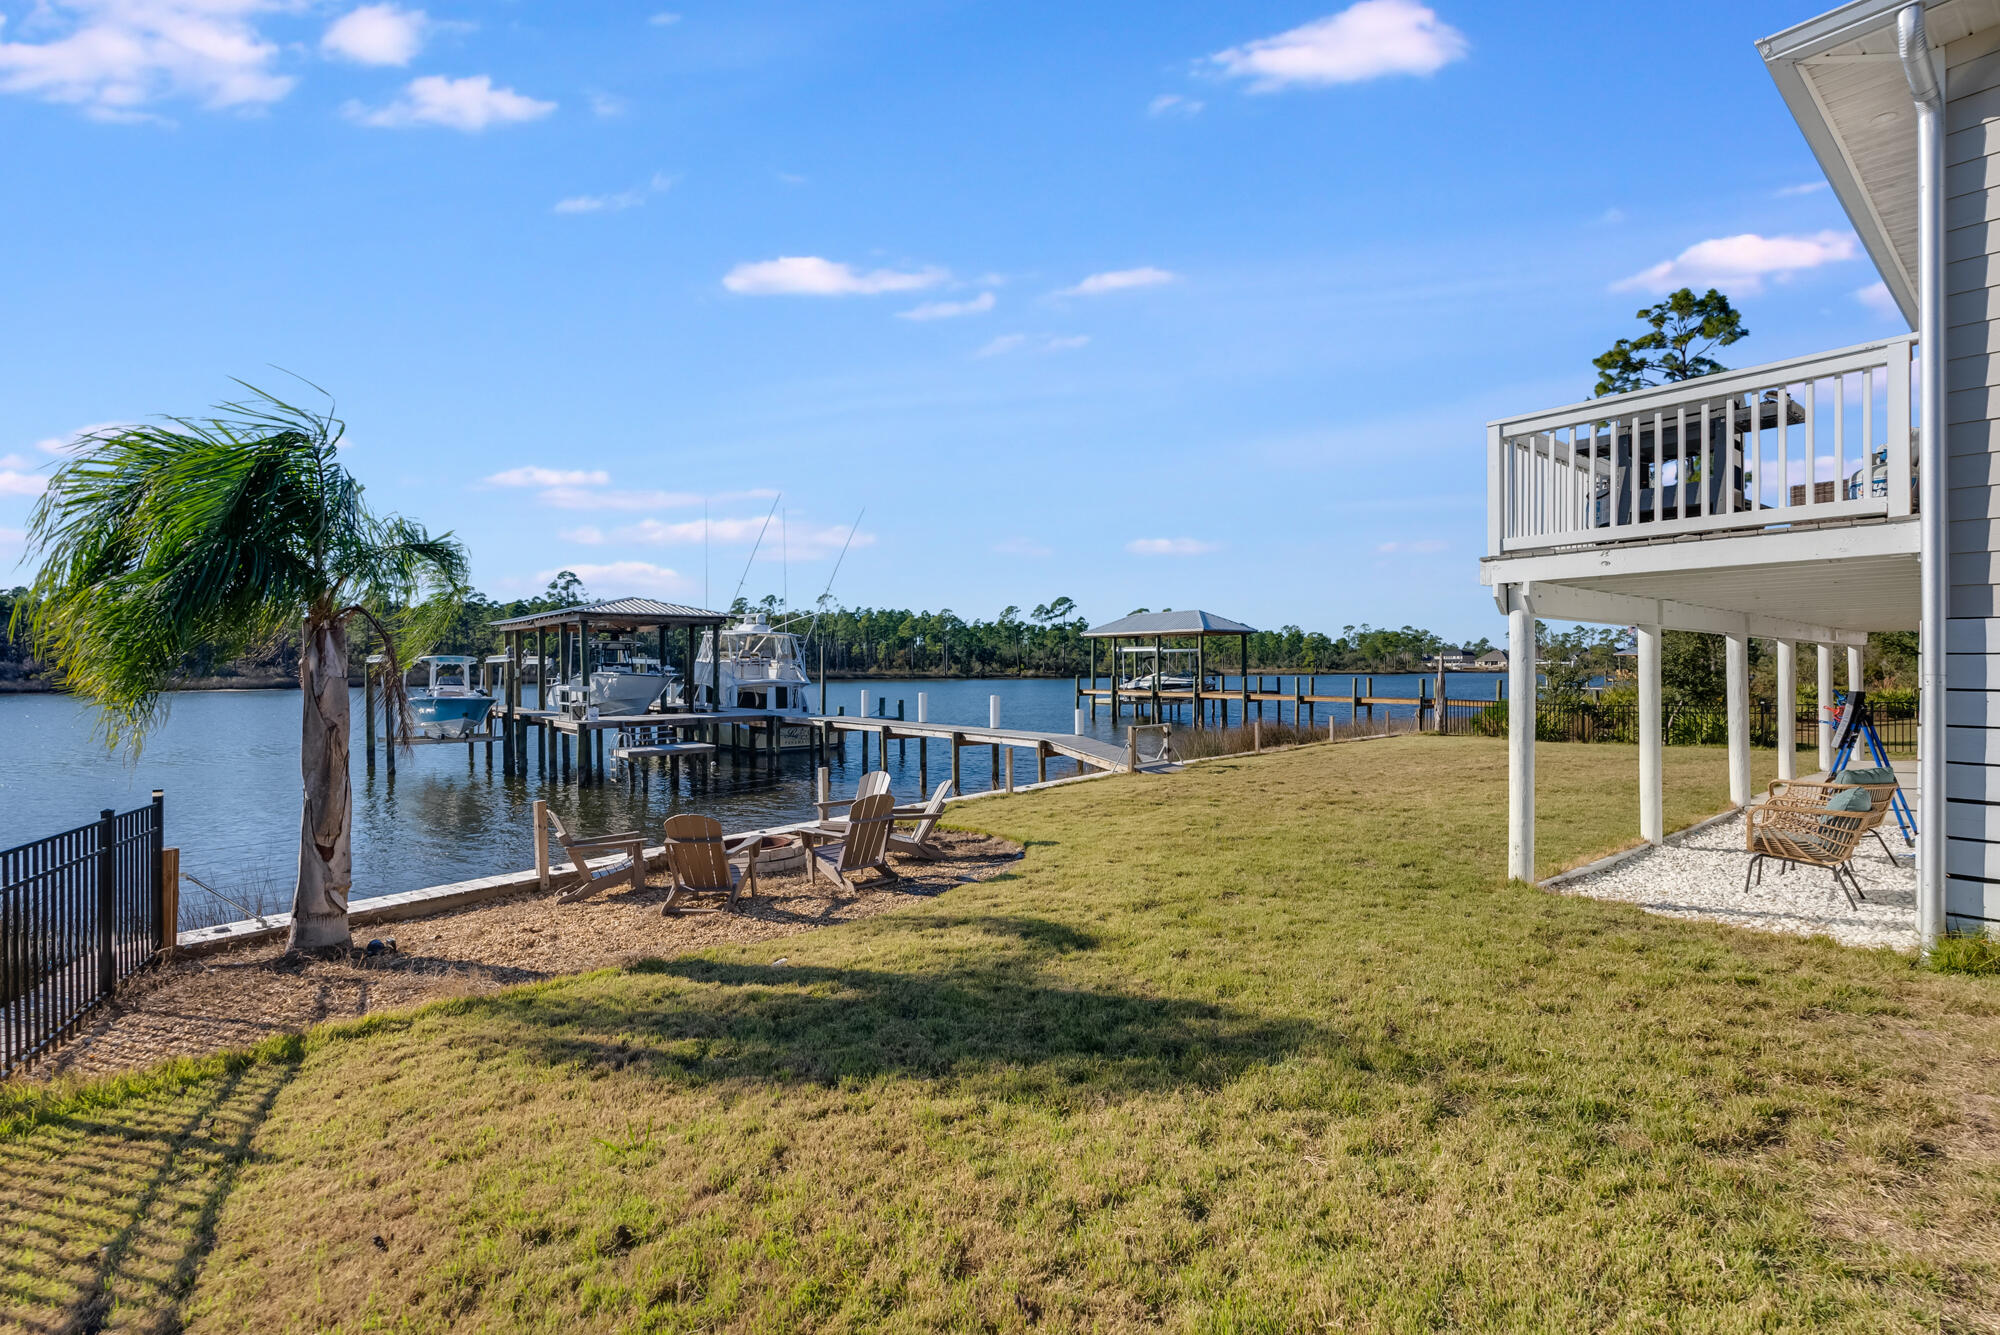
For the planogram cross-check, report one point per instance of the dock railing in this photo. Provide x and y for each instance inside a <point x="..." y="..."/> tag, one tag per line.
<point x="80" y="912"/>
<point x="1824" y="437"/>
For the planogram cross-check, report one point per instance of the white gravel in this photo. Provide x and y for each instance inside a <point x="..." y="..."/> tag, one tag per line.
<point x="1700" y="875"/>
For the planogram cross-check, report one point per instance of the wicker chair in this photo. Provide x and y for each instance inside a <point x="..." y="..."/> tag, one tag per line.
<point x="1812" y="794"/>
<point x="1808" y="835"/>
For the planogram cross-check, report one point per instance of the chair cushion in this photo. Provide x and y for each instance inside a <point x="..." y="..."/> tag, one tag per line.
<point x="1850" y="799"/>
<point x="1865" y="776"/>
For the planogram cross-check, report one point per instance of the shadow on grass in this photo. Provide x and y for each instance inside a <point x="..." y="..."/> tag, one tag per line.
<point x="980" y="1004"/>
<point x="107" y="1211"/>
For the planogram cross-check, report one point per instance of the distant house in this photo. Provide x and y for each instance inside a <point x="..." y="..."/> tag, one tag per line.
<point x="1449" y="658"/>
<point x="1493" y="659"/>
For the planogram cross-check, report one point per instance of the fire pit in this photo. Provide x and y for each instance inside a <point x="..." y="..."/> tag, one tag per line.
<point x="781" y="855"/>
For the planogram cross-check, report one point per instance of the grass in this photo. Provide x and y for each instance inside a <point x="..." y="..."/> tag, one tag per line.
<point x="1974" y="953"/>
<point x="1269" y="734"/>
<point x="1266" y="1045"/>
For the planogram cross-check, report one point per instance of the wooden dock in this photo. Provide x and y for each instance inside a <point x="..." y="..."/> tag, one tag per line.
<point x="1086" y="752"/>
<point x="1253" y="693"/>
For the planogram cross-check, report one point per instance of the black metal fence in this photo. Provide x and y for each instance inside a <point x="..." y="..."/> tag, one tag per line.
<point x="79" y="912"/>
<point x="1707" y="725"/>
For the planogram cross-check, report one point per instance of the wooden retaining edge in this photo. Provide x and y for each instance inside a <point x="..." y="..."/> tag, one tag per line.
<point x="461" y="894"/>
<point x="1624" y="855"/>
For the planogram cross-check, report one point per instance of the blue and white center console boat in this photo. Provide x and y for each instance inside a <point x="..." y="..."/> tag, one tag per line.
<point x="449" y="704"/>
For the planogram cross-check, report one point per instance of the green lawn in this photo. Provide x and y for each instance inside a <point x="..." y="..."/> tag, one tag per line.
<point x="1266" y="1045"/>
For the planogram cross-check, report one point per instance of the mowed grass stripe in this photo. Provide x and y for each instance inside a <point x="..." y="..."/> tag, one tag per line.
<point x="1265" y="1045"/>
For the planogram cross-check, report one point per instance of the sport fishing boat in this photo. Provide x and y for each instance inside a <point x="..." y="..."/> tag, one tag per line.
<point x="762" y="668"/>
<point x="622" y="681"/>
<point x="449" y="705"/>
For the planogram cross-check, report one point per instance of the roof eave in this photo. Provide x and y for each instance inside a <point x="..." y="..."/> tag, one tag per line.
<point x="1783" y="52"/>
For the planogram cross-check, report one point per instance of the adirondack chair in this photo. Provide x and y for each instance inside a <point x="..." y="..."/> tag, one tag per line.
<point x="917" y="843"/>
<point x="630" y="868"/>
<point x="873" y="782"/>
<point x="699" y="859"/>
<point x="862" y="844"/>
<point x="1808" y="835"/>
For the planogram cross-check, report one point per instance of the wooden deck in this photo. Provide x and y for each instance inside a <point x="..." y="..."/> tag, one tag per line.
<point x="1084" y="750"/>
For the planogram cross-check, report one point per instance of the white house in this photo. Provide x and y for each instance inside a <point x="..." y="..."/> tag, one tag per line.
<point x="1813" y="500"/>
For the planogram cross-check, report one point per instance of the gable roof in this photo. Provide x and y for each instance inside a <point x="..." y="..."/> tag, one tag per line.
<point x="1190" y="622"/>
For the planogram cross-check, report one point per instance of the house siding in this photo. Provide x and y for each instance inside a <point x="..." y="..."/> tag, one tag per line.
<point x="1971" y="807"/>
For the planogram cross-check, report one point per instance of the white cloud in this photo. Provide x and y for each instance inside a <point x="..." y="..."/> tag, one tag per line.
<point x="791" y="178"/>
<point x="1743" y="262"/>
<point x="945" y="310"/>
<point x="1007" y="343"/>
<point x="533" y="475"/>
<point x="590" y="535"/>
<point x="67" y="445"/>
<point x="1803" y="188"/>
<point x="625" y="578"/>
<point x="470" y="104"/>
<point x="1118" y="280"/>
<point x="615" y="203"/>
<point x="1022" y="547"/>
<point x="1611" y="217"/>
<point x="14" y="483"/>
<point x="113" y="58"/>
<point x="1364" y="41"/>
<point x="1876" y="298"/>
<point x="1171" y="547"/>
<point x="606" y="105"/>
<point x="1417" y="545"/>
<point x="16" y="461"/>
<point x="802" y="541"/>
<point x="376" y="35"/>
<point x="811" y="276"/>
<point x="663" y="19"/>
<point x="1174" y="104"/>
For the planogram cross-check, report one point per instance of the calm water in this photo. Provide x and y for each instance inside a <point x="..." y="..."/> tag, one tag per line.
<point x="228" y="761"/>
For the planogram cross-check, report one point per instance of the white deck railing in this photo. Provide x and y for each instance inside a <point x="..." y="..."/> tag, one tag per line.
<point x="1826" y="437"/>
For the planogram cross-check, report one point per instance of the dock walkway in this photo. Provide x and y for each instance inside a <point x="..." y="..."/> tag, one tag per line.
<point x="1084" y="750"/>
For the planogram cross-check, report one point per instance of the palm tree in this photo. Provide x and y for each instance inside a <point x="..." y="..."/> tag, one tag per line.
<point x="228" y="532"/>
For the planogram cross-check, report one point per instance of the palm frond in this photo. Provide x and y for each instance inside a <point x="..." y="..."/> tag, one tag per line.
<point x="222" y="532"/>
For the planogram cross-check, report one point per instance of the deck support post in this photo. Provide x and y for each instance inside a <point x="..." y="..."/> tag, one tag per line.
<point x="1824" y="700"/>
<point x="1853" y="669"/>
<point x="1521" y="735"/>
<point x="957" y="740"/>
<point x="1736" y="688"/>
<point x="1788" y="709"/>
<point x="1652" y="811"/>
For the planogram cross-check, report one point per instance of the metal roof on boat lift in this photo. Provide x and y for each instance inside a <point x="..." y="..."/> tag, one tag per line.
<point x="633" y="612"/>
<point x="1190" y="622"/>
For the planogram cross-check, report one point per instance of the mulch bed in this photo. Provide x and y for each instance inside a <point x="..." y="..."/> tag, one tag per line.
<point x="236" y="998"/>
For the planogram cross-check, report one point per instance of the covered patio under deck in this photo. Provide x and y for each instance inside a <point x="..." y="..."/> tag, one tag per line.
<point x="1821" y="590"/>
<point x="1774" y="502"/>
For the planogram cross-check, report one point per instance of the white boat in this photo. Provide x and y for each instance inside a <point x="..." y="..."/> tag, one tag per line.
<point x="449" y="704"/>
<point x="1168" y="677"/>
<point x="761" y="668"/>
<point x="622" y="681"/>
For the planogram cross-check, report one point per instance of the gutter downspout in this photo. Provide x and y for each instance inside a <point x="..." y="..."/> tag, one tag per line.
<point x="1927" y="91"/>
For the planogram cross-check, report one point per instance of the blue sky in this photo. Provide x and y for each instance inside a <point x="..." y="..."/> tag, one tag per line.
<point x="1160" y="304"/>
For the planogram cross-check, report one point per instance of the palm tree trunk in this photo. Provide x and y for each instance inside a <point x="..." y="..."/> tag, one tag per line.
<point x="326" y="861"/>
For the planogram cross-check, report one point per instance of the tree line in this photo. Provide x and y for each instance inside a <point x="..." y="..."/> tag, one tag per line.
<point x="1044" y="640"/>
